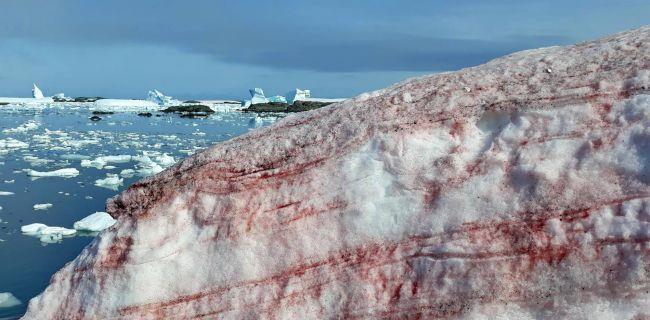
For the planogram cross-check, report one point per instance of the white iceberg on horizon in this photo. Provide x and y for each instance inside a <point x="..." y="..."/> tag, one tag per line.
<point x="37" y="93"/>
<point x="298" y="94"/>
<point x="305" y="95"/>
<point x="257" y="96"/>
<point x="159" y="98"/>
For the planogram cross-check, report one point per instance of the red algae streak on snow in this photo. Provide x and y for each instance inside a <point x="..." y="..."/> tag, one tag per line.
<point x="516" y="188"/>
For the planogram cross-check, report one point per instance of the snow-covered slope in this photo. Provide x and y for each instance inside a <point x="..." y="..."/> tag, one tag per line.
<point x="519" y="188"/>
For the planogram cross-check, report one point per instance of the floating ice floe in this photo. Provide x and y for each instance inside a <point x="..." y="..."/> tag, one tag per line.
<point x="42" y="206"/>
<point x="123" y="105"/>
<point x="36" y="161"/>
<point x="27" y="126"/>
<point x="8" y="300"/>
<point x="64" y="173"/>
<point x="6" y="193"/>
<point x="95" y="222"/>
<point x="46" y="233"/>
<point x="102" y="161"/>
<point x="74" y="157"/>
<point x="127" y="173"/>
<point x="112" y="181"/>
<point x="11" y="143"/>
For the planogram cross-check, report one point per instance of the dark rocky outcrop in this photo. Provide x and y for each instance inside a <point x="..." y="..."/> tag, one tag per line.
<point x="297" y="106"/>
<point x="194" y="108"/>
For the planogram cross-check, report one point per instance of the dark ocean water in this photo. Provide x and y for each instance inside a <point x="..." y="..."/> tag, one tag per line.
<point x="26" y="263"/>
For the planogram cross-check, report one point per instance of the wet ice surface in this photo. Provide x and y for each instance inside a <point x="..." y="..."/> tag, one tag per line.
<point x="117" y="151"/>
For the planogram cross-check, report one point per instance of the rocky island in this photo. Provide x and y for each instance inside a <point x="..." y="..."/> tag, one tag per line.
<point x="520" y="187"/>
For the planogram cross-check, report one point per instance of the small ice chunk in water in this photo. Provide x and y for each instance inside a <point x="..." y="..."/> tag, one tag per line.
<point x="112" y="181"/>
<point x="42" y="206"/>
<point x="97" y="221"/>
<point x="32" y="228"/>
<point x="6" y="193"/>
<point x="8" y="300"/>
<point x="101" y="162"/>
<point x="65" y="173"/>
<point x="165" y="160"/>
<point x="57" y="230"/>
<point x="45" y="233"/>
<point x="127" y="173"/>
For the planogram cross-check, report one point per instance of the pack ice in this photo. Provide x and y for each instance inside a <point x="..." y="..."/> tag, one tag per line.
<point x="517" y="189"/>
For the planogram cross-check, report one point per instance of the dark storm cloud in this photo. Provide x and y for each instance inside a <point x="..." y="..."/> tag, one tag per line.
<point x="304" y="35"/>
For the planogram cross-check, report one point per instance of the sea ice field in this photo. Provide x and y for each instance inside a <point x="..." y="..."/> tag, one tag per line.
<point x="57" y="167"/>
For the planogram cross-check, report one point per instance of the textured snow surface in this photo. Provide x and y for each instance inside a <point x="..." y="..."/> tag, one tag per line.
<point x="517" y="189"/>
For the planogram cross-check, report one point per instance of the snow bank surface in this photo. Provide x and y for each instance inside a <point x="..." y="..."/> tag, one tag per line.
<point x="520" y="188"/>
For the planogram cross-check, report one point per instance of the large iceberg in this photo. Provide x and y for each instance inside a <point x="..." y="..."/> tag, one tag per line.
<point x="37" y="93"/>
<point x="159" y="98"/>
<point x="298" y="95"/>
<point x="257" y="96"/>
<point x="517" y="189"/>
<point x="305" y="95"/>
<point x="37" y="98"/>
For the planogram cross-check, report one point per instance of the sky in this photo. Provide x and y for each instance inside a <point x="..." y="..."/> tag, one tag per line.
<point x="220" y="49"/>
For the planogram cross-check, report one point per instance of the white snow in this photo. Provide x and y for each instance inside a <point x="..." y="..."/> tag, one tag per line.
<point x="97" y="221"/>
<point x="8" y="300"/>
<point x="401" y="203"/>
<point x="42" y="206"/>
<point x="65" y="173"/>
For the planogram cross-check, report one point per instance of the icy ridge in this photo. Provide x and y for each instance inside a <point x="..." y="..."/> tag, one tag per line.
<point x="519" y="187"/>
